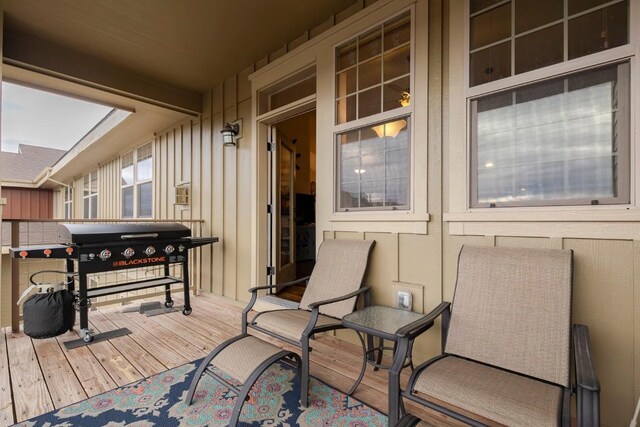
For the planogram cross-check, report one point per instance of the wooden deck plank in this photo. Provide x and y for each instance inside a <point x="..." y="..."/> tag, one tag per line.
<point x="179" y="323"/>
<point x="117" y="366"/>
<point x="165" y="341"/>
<point x="151" y="343"/>
<point x="93" y="377"/>
<point x="6" y="399"/>
<point x="174" y="340"/>
<point x="31" y="396"/>
<point x="62" y="383"/>
<point x="143" y="361"/>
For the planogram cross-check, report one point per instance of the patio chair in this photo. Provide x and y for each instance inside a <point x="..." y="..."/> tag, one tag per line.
<point x="506" y="341"/>
<point x="332" y="291"/>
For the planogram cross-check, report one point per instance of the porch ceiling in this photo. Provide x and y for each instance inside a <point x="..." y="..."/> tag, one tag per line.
<point x="188" y="45"/>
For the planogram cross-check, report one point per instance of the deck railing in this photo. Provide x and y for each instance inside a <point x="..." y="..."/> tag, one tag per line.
<point x="16" y="272"/>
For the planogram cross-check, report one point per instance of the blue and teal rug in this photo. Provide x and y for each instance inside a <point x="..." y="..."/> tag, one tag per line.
<point x="158" y="401"/>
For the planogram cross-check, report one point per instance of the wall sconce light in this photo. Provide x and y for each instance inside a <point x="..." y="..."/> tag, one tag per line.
<point x="229" y="133"/>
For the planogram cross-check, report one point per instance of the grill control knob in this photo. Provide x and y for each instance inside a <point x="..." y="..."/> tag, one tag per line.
<point x="129" y="252"/>
<point x="105" y="254"/>
<point x="169" y="249"/>
<point x="150" y="251"/>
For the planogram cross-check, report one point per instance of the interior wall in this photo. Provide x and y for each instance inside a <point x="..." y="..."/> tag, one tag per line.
<point x="302" y="129"/>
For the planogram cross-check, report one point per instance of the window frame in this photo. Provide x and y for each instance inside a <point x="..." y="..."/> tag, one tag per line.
<point x="619" y="54"/>
<point x="623" y="69"/>
<point x="136" y="183"/>
<point x="406" y="112"/>
<point x="67" y="201"/>
<point x="90" y="214"/>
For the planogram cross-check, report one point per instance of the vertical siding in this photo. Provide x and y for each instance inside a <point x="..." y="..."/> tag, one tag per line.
<point x="27" y="203"/>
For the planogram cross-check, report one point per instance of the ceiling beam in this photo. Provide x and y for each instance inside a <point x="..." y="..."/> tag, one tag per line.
<point x="35" y="54"/>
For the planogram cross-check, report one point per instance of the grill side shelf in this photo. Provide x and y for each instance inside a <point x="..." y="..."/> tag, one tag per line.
<point x="45" y="251"/>
<point x="131" y="286"/>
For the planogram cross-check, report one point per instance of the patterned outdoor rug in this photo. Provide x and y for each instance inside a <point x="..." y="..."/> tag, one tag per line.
<point x="157" y="401"/>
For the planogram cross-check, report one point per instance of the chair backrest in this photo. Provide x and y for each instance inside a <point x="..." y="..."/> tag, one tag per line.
<point x="339" y="270"/>
<point x="512" y="309"/>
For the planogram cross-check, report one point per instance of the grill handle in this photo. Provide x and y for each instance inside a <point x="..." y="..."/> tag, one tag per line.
<point x="139" y="236"/>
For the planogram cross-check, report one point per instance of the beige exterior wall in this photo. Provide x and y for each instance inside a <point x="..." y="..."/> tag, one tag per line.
<point x="416" y="251"/>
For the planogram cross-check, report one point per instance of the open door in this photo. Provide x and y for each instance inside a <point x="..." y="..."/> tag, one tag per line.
<point x="282" y="209"/>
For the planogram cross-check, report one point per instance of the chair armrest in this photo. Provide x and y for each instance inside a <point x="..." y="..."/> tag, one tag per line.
<point x="279" y="286"/>
<point x="416" y="328"/>
<point x="254" y="298"/>
<point x="340" y="298"/>
<point x="585" y="372"/>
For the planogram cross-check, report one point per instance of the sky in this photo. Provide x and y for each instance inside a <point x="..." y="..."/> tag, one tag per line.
<point x="36" y="117"/>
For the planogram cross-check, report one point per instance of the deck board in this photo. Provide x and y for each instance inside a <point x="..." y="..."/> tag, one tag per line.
<point x="156" y="343"/>
<point x="30" y="394"/>
<point x="64" y="387"/>
<point x="6" y="400"/>
<point x="143" y="361"/>
<point x="93" y="377"/>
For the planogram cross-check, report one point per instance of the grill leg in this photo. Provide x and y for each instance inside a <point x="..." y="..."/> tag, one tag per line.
<point x="72" y="285"/>
<point x="83" y="304"/>
<point x="168" y="302"/>
<point x="185" y="282"/>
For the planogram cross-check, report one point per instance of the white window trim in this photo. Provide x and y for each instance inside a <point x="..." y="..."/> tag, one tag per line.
<point x="612" y="221"/>
<point x="136" y="183"/>
<point x="384" y="213"/>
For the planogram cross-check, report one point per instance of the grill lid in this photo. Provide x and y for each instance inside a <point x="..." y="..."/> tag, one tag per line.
<point x="98" y="233"/>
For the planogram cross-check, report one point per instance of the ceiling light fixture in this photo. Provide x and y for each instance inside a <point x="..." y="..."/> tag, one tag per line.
<point x="405" y="101"/>
<point x="391" y="129"/>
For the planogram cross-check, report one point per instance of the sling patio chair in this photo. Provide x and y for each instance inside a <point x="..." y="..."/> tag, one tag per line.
<point x="332" y="291"/>
<point x="506" y="341"/>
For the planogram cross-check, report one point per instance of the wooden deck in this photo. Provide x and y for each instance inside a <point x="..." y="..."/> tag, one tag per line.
<point x="37" y="376"/>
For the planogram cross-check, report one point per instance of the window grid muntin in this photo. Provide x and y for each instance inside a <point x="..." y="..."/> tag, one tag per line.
<point x="133" y="159"/>
<point x="356" y="66"/>
<point x="388" y="115"/>
<point x="387" y="179"/>
<point x="621" y="144"/>
<point x="68" y="201"/>
<point x="90" y="195"/>
<point x="512" y="38"/>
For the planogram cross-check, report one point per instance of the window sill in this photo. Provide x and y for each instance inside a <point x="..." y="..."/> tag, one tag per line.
<point x="606" y="222"/>
<point x="380" y="222"/>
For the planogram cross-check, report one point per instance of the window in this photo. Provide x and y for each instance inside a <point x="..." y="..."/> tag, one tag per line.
<point x="562" y="141"/>
<point x="137" y="184"/>
<point x="511" y="37"/>
<point x="373" y="118"/>
<point x="68" y="202"/>
<point x="561" y="137"/>
<point x="90" y="195"/>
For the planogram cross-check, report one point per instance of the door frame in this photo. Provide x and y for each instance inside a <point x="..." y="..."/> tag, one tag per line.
<point x="259" y="168"/>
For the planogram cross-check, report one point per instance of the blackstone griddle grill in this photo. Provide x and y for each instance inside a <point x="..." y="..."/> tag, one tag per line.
<point x="96" y="248"/>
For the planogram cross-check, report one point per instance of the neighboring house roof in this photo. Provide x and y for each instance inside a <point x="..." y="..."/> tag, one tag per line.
<point x="28" y="162"/>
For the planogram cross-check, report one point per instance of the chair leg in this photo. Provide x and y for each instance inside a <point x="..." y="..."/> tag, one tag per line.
<point x="304" y="377"/>
<point x="198" y="375"/>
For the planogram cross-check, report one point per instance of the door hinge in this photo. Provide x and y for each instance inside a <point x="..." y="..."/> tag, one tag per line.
<point x="269" y="208"/>
<point x="271" y="270"/>
<point x="271" y="146"/>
